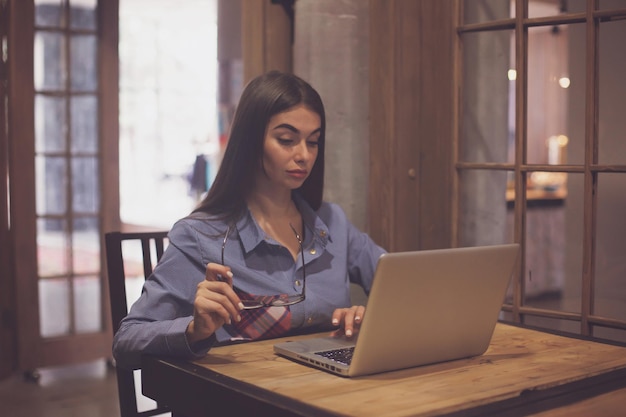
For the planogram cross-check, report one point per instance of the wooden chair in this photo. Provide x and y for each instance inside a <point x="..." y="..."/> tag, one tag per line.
<point x="152" y="243"/>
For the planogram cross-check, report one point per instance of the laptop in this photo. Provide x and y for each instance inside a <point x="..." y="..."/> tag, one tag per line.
<point x="424" y="307"/>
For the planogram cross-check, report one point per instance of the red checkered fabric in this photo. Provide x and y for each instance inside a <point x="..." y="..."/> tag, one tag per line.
<point x="260" y="323"/>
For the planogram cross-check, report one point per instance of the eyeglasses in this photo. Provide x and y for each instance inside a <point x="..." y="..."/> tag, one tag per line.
<point x="282" y="300"/>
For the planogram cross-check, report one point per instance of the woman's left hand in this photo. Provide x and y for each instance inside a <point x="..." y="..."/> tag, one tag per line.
<point x="348" y="319"/>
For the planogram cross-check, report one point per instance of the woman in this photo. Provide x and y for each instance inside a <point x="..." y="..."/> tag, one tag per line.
<point x="262" y="255"/>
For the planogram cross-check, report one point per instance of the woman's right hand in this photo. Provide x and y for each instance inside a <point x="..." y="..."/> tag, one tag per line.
<point x="215" y="304"/>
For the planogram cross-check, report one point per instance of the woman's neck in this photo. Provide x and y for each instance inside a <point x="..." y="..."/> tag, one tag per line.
<point x="276" y="215"/>
<point x="272" y="207"/>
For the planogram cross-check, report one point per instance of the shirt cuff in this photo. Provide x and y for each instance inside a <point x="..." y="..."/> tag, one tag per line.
<point x="177" y="340"/>
<point x="201" y="347"/>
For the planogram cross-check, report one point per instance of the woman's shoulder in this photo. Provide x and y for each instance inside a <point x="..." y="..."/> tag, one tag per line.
<point x="331" y="212"/>
<point x="331" y="209"/>
<point x="199" y="223"/>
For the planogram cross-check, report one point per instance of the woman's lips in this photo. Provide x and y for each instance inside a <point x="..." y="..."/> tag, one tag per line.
<point x="297" y="173"/>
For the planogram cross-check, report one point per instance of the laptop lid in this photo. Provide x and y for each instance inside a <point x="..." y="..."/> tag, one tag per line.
<point x="424" y="307"/>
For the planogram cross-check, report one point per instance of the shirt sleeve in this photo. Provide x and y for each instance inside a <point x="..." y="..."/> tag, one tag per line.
<point x="362" y="253"/>
<point x="157" y="321"/>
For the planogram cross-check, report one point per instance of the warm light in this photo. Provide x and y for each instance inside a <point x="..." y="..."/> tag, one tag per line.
<point x="556" y="151"/>
<point x="564" y="82"/>
<point x="512" y="75"/>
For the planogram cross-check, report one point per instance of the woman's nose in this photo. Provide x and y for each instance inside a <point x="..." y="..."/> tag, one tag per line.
<point x="303" y="153"/>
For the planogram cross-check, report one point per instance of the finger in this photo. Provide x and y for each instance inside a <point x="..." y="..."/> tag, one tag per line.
<point x="217" y="272"/>
<point x="222" y="294"/>
<point x="337" y="316"/>
<point x="352" y="319"/>
<point x="336" y="320"/>
<point x="220" y="273"/>
<point x="359" y="314"/>
<point x="348" y="323"/>
<point x="203" y="324"/>
<point x="215" y="309"/>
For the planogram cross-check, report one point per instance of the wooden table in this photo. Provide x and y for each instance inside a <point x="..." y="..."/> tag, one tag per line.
<point x="523" y="372"/>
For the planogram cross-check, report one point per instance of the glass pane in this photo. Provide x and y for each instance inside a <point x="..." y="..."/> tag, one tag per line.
<point x="610" y="268"/>
<point x="86" y="246"/>
<point x="83" y="14"/>
<point x="54" y="307"/>
<point x="574" y="6"/>
<point x="51" y="186"/>
<point x="546" y="186"/>
<point x="485" y="219"/>
<point x="611" y="4"/>
<point x="545" y="247"/>
<point x="49" y="13"/>
<point x="487" y="125"/>
<point x="573" y="241"/>
<point x="612" y="94"/>
<point x="610" y="334"/>
<point x="574" y="151"/>
<point x="50" y="124"/>
<point x="84" y="62"/>
<point x="52" y="247"/>
<point x="87" y="304"/>
<point x="542" y="8"/>
<point x="550" y="323"/>
<point x="84" y="124"/>
<point x="85" y="185"/>
<point x="50" y="72"/>
<point x="487" y="10"/>
<point x="554" y="248"/>
<point x="549" y="101"/>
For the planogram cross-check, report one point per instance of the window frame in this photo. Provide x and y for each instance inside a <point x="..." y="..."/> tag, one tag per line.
<point x="592" y="18"/>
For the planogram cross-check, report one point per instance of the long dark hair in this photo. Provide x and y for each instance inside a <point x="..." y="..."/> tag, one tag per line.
<point x="265" y="96"/>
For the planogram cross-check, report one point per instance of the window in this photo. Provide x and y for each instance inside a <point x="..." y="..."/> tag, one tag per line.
<point x="541" y="157"/>
<point x="168" y="108"/>
<point x="67" y="167"/>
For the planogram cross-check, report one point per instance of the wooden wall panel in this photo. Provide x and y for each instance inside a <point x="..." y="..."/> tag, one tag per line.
<point x="22" y="173"/>
<point x="8" y="331"/>
<point x="109" y="114"/>
<point x="382" y="224"/>
<point x="266" y="38"/>
<point x="412" y="123"/>
<point x="109" y="140"/>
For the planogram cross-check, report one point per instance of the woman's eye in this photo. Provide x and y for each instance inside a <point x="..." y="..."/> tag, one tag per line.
<point x="284" y="141"/>
<point x="313" y="144"/>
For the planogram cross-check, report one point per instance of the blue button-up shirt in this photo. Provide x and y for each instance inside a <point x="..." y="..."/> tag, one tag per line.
<point x="335" y="254"/>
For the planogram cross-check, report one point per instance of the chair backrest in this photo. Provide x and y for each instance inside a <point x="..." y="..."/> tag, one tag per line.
<point x="152" y="247"/>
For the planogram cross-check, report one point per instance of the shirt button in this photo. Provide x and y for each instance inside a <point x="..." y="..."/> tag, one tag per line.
<point x="298" y="283"/>
<point x="312" y="251"/>
<point x="309" y="320"/>
<point x="322" y="233"/>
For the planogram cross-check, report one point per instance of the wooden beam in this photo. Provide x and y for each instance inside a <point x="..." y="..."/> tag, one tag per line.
<point x="411" y="123"/>
<point x="266" y="36"/>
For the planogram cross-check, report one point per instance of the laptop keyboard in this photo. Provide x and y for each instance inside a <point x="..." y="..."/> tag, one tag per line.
<point x="343" y="355"/>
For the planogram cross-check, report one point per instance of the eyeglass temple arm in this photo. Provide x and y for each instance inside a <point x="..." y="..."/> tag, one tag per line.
<point x="302" y="256"/>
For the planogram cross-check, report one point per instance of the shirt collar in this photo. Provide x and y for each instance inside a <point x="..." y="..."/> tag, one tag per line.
<point x="251" y="234"/>
<point x="316" y="229"/>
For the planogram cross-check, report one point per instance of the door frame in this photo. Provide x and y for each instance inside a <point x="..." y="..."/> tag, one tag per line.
<point x="8" y="333"/>
<point x="20" y="237"/>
